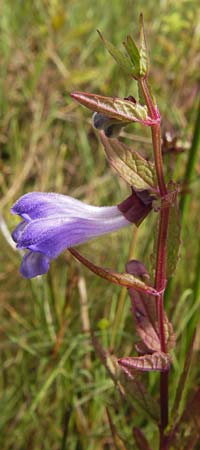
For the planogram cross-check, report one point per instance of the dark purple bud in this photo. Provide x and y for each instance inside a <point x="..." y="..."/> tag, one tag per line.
<point x="113" y="131"/>
<point x="111" y="127"/>
<point x="136" y="268"/>
<point x="99" y="121"/>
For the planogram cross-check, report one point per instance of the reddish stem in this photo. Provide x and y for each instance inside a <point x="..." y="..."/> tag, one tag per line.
<point x="156" y="139"/>
<point x="160" y="271"/>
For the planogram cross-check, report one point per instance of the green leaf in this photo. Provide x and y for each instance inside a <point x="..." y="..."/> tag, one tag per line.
<point x="134" y="169"/>
<point x="173" y="240"/>
<point x="136" y="64"/>
<point x="123" y="61"/>
<point x="158" y="361"/>
<point x="123" y="110"/>
<point x="133" y="53"/>
<point x="144" y="58"/>
<point x="122" y="279"/>
<point x="114" y="107"/>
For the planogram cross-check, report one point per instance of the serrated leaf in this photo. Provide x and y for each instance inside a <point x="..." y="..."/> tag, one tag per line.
<point x="114" y="107"/>
<point x="173" y="240"/>
<point x="122" y="279"/>
<point x="133" y="53"/>
<point x="134" y="169"/>
<point x="123" y="61"/>
<point x="144" y="58"/>
<point x="157" y="361"/>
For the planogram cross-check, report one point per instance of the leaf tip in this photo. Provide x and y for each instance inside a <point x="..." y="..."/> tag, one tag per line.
<point x="74" y="95"/>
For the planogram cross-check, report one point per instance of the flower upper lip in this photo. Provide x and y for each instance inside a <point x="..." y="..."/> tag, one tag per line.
<point x="37" y="205"/>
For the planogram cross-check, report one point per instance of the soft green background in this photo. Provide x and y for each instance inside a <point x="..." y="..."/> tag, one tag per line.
<point x="54" y="391"/>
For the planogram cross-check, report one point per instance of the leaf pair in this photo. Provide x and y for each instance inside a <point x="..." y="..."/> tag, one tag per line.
<point x="136" y="61"/>
<point x="124" y="110"/>
<point x="113" y="113"/>
<point x="150" y="358"/>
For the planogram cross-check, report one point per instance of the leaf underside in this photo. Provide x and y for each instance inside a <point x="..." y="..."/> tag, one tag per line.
<point x="114" y="107"/>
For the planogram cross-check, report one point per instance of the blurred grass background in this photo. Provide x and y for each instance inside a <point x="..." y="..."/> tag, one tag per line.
<point x="54" y="390"/>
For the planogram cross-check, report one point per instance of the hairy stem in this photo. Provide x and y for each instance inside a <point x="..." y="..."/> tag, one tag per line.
<point x="160" y="270"/>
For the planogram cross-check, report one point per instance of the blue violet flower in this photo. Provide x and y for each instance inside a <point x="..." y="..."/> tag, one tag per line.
<point x="53" y="222"/>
